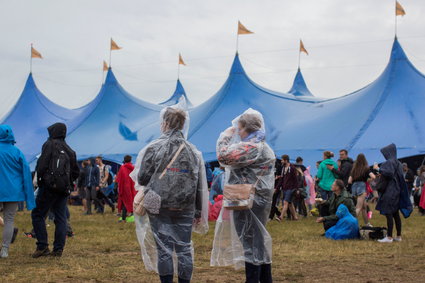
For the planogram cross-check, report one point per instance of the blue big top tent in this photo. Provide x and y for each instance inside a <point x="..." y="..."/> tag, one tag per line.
<point x="385" y="111"/>
<point x="34" y="112"/>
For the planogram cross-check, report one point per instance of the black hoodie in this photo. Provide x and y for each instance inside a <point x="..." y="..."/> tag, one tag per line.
<point x="57" y="134"/>
<point x="344" y="171"/>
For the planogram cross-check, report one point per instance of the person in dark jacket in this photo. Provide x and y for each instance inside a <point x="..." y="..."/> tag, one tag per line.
<point x="82" y="184"/>
<point x="92" y="186"/>
<point x="287" y="185"/>
<point x="48" y="198"/>
<point x="329" y="208"/>
<point x="392" y="188"/>
<point x="344" y="170"/>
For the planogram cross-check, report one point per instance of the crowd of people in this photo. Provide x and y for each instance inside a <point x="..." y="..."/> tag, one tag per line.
<point x="177" y="194"/>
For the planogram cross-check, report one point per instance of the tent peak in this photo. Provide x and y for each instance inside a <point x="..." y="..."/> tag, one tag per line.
<point x="397" y="52"/>
<point x="110" y="77"/>
<point x="237" y="66"/>
<point x="299" y="87"/>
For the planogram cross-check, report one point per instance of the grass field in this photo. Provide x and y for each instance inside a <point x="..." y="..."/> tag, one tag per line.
<point x="104" y="250"/>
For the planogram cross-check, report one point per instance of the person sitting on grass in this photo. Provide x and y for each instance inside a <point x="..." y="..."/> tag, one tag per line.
<point x="329" y="208"/>
<point x="346" y="228"/>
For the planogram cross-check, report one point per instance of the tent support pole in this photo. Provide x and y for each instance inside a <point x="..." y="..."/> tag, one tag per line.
<point x="31" y="59"/>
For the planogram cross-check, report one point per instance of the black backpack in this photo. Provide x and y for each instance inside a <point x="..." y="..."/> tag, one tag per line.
<point x="59" y="180"/>
<point x="373" y="233"/>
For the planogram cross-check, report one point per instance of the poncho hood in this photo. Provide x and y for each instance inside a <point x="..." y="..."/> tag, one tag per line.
<point x="389" y="151"/>
<point x="6" y="134"/>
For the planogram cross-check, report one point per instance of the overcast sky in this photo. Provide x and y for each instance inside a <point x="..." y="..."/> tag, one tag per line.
<point x="349" y="44"/>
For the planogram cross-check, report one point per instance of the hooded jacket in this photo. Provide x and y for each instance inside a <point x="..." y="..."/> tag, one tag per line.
<point x="395" y="193"/>
<point x="325" y="175"/>
<point x="347" y="226"/>
<point x="126" y="191"/>
<point x="15" y="175"/>
<point x="57" y="135"/>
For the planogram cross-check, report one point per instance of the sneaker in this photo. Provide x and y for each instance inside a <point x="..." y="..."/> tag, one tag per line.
<point x="57" y="253"/>
<point x="38" y="253"/>
<point x="397" y="239"/>
<point x="130" y="219"/>
<point x="15" y="233"/>
<point x="369" y="225"/>
<point x="29" y="234"/>
<point x="386" y="240"/>
<point x="4" y="253"/>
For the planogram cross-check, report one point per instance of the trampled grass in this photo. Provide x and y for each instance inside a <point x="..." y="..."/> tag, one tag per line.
<point x="104" y="250"/>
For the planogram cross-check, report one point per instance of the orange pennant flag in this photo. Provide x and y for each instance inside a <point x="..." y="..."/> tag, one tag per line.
<point x="114" y="46"/>
<point x="242" y="29"/>
<point x="35" y="53"/>
<point x="181" y="62"/>
<point x="399" y="11"/>
<point x="302" y="48"/>
<point x="105" y="66"/>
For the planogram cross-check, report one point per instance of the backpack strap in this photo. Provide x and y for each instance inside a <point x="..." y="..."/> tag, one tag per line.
<point x="172" y="161"/>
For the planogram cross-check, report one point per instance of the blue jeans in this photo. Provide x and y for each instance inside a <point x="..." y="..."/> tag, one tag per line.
<point x="325" y="194"/>
<point x="172" y="232"/>
<point x="57" y="204"/>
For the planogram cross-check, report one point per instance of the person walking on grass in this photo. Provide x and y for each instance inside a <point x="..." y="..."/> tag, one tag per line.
<point x="56" y="170"/>
<point x="288" y="183"/>
<point x="359" y="177"/>
<point x="126" y="191"/>
<point x="15" y="185"/>
<point x="393" y="193"/>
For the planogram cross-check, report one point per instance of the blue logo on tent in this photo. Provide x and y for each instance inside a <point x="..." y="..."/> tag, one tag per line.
<point x="126" y="133"/>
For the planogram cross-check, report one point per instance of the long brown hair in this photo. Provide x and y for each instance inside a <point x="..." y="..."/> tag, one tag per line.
<point x="360" y="167"/>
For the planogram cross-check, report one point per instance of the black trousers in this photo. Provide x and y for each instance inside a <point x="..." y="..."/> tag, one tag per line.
<point x="324" y="211"/>
<point x="274" y="210"/>
<point x="390" y="223"/>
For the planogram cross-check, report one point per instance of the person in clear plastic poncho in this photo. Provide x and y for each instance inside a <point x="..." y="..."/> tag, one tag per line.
<point x="240" y="235"/>
<point x="171" y="172"/>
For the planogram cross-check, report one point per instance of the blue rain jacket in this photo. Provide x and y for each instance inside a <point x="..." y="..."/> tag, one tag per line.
<point x="347" y="226"/>
<point x="15" y="175"/>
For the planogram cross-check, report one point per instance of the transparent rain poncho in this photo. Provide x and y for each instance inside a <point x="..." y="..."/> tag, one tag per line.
<point x="241" y="235"/>
<point x="164" y="232"/>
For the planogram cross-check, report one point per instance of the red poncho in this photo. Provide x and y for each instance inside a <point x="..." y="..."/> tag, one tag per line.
<point x="126" y="191"/>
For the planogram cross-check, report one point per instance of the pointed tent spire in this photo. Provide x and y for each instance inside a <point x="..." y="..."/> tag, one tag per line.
<point x="237" y="66"/>
<point x="178" y="93"/>
<point x="397" y="52"/>
<point x="110" y="77"/>
<point x="299" y="87"/>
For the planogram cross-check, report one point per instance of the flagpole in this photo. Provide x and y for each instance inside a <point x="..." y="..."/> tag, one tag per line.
<point x="31" y="59"/>
<point x="299" y="59"/>
<point x="395" y="12"/>
<point x="110" y="57"/>
<point x="178" y="71"/>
